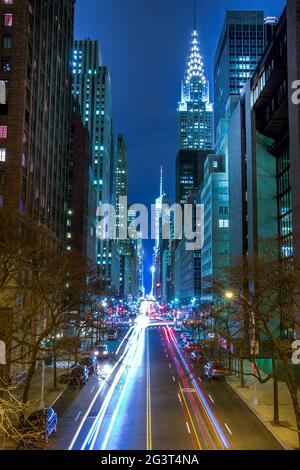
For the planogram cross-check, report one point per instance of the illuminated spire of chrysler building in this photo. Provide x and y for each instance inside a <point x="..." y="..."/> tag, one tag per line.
<point x="195" y="109"/>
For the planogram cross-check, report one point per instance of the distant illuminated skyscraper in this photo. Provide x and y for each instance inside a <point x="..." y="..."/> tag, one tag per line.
<point x="120" y="183"/>
<point x="195" y="109"/>
<point x="92" y="89"/>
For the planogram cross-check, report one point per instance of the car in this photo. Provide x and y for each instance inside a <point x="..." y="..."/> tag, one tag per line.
<point x="188" y="342"/>
<point x="191" y="347"/>
<point x="101" y="351"/>
<point x="90" y="362"/>
<point x="184" y="335"/>
<point x="177" y="328"/>
<point x="44" y="422"/>
<point x="111" y="335"/>
<point x="79" y="375"/>
<point x="196" y="355"/>
<point x="186" y="339"/>
<point x="214" y="370"/>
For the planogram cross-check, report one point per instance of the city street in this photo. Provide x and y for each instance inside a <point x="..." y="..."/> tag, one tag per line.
<point x="155" y="400"/>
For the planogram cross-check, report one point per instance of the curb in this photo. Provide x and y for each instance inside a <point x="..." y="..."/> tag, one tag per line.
<point x="257" y="415"/>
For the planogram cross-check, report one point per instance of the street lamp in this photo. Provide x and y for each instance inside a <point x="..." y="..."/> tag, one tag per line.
<point x="254" y="343"/>
<point x="153" y="270"/>
<point x="229" y="295"/>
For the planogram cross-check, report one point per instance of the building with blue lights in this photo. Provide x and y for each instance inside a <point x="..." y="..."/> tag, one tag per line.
<point x="196" y="141"/>
<point x="195" y="109"/>
<point x="92" y="89"/>
<point x="243" y="39"/>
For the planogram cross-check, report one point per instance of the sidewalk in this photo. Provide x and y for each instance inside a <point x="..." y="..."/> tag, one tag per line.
<point x="286" y="431"/>
<point x="50" y="395"/>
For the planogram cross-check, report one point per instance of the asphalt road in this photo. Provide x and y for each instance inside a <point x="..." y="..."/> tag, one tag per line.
<point x="157" y="401"/>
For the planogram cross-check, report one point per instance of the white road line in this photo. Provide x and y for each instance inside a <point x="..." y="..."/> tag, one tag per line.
<point x="92" y="390"/>
<point x="199" y="379"/>
<point x="211" y="398"/>
<point x="226" y="425"/>
<point x="179" y="398"/>
<point x="174" y="380"/>
<point x="188" y="428"/>
<point x="77" y="417"/>
<point x="170" y="366"/>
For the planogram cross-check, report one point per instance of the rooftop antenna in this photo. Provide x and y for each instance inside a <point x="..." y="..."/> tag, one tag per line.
<point x="161" y="181"/>
<point x="195" y="15"/>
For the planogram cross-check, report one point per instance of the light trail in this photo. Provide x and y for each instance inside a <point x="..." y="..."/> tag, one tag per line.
<point x="124" y="339"/>
<point x="92" y="436"/>
<point x="148" y="411"/>
<point x="131" y="359"/>
<point x="203" y="401"/>
<point x="124" y="390"/>
<point x="94" y="400"/>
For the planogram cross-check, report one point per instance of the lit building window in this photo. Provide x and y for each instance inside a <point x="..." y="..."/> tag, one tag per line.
<point x="8" y="19"/>
<point x="2" y="155"/>
<point x="3" y="132"/>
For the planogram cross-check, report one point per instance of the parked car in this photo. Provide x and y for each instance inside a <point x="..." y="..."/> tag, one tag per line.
<point x="43" y="422"/>
<point x="196" y="355"/>
<point x="214" y="370"/>
<point x="79" y="375"/>
<point x="186" y="339"/>
<point x="191" y="346"/>
<point x="183" y="336"/>
<point x="90" y="362"/>
<point x="177" y="328"/>
<point x="111" y="335"/>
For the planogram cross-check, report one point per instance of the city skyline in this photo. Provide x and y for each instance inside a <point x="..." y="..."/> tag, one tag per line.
<point x="152" y="136"/>
<point x="150" y="229"/>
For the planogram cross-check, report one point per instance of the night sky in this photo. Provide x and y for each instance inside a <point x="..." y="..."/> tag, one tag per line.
<point x="145" y="44"/>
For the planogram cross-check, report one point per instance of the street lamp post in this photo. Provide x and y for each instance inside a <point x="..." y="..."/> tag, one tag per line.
<point x="153" y="270"/>
<point x="254" y="345"/>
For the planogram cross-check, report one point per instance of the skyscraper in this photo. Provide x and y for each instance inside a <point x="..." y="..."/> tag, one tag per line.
<point x="120" y="189"/>
<point x="196" y="141"/>
<point x="120" y="182"/>
<point x="35" y="109"/>
<point x="92" y="89"/>
<point x="81" y="217"/>
<point x="189" y="173"/>
<point x="241" y="44"/>
<point x="195" y="109"/>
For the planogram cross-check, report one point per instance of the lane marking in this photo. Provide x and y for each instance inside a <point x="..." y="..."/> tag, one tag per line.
<point x="170" y="366"/>
<point x="199" y="379"/>
<point x="228" y="429"/>
<point x="211" y="398"/>
<point x="179" y="398"/>
<point x="77" y="417"/>
<point x="190" y="417"/>
<point x="92" y="390"/>
<point x="188" y="428"/>
<point x="149" y="418"/>
<point x="174" y="380"/>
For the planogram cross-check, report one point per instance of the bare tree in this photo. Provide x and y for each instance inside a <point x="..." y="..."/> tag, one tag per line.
<point x="43" y="289"/>
<point x="261" y="313"/>
<point x="14" y="425"/>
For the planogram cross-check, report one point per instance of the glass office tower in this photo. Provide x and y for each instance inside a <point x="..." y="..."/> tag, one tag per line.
<point x="92" y="89"/>
<point x="242" y="42"/>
